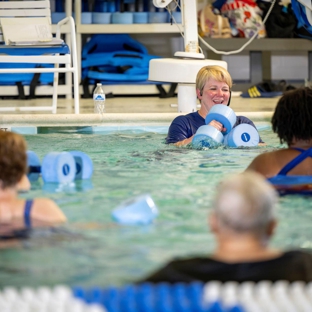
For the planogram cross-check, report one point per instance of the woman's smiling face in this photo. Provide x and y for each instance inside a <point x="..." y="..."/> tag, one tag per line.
<point x="214" y="92"/>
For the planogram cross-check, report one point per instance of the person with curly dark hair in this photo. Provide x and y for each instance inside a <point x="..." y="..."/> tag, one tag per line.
<point x="17" y="213"/>
<point x="292" y="121"/>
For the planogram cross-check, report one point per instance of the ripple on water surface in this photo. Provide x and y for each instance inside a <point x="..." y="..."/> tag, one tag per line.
<point x="93" y="250"/>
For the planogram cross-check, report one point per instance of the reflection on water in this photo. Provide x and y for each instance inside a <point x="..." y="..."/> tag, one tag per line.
<point x="93" y="250"/>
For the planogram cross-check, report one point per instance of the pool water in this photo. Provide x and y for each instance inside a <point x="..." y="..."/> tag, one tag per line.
<point x="92" y="250"/>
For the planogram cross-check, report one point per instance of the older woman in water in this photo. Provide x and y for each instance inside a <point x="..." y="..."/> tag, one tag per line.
<point x="213" y="86"/>
<point x="17" y="213"/>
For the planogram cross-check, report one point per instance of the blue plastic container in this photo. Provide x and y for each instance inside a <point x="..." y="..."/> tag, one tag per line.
<point x="140" y="17"/>
<point x="101" y="18"/>
<point x="157" y="17"/>
<point x="86" y="18"/>
<point x="177" y="16"/>
<point x="122" y="18"/>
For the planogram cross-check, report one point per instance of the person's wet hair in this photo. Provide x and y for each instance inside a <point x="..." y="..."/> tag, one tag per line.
<point x="13" y="158"/>
<point x="292" y="118"/>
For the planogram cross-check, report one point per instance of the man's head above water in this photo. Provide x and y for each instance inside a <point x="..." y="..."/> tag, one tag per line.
<point x="244" y="204"/>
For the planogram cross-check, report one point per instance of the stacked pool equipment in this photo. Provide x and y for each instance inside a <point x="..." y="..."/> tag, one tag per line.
<point x="213" y="296"/>
<point x="118" y="12"/>
<point x="209" y="136"/>
<point x="59" y="167"/>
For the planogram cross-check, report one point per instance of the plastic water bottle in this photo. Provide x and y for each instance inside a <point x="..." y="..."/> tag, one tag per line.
<point x="99" y="99"/>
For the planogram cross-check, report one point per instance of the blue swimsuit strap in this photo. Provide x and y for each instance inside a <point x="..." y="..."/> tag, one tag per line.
<point x="297" y="160"/>
<point x="27" y="218"/>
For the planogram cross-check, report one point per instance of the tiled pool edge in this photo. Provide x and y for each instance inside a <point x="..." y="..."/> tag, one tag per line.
<point x="29" y="124"/>
<point x="83" y="119"/>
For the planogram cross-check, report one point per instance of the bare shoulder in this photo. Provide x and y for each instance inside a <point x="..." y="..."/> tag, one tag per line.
<point x="264" y="156"/>
<point x="47" y="202"/>
<point x="47" y="210"/>
<point x="267" y="164"/>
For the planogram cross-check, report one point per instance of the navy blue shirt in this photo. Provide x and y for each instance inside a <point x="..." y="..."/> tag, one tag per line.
<point x="183" y="127"/>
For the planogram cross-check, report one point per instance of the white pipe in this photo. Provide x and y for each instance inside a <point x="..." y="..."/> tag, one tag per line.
<point x="187" y="99"/>
<point x="189" y="21"/>
<point x="189" y="14"/>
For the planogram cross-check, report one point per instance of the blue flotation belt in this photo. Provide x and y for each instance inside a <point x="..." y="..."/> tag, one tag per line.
<point x="300" y="12"/>
<point x="114" y="57"/>
<point x="293" y="184"/>
<point x="116" y="66"/>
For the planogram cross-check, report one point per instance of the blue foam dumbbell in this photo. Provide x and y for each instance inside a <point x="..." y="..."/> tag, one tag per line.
<point x="138" y="210"/>
<point x="209" y="136"/>
<point x="84" y="165"/>
<point x="60" y="167"/>
<point x="34" y="166"/>
<point x="242" y="135"/>
<point x="223" y="114"/>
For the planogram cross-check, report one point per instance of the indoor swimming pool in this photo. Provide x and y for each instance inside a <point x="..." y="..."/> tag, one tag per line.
<point x="93" y="250"/>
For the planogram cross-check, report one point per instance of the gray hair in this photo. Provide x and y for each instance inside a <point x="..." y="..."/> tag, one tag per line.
<point x="245" y="203"/>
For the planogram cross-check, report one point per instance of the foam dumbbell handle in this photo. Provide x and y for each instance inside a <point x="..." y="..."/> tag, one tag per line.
<point x="242" y="135"/>
<point x="34" y="166"/>
<point x="223" y="114"/>
<point x="58" y="167"/>
<point x="84" y="165"/>
<point x="207" y="136"/>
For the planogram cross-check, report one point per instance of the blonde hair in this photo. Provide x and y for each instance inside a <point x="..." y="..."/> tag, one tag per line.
<point x="245" y="203"/>
<point x="216" y="72"/>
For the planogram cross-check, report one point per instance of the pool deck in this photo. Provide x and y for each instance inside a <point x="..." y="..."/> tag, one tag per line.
<point x="121" y="110"/>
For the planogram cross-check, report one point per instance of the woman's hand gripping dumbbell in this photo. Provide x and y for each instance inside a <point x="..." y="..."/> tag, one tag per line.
<point x="220" y="118"/>
<point x="219" y="129"/>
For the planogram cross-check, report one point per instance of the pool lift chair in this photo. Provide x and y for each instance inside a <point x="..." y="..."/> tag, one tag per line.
<point x="184" y="68"/>
<point x="13" y="57"/>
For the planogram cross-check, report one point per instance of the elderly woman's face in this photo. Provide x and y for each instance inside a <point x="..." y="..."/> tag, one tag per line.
<point x="214" y="92"/>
